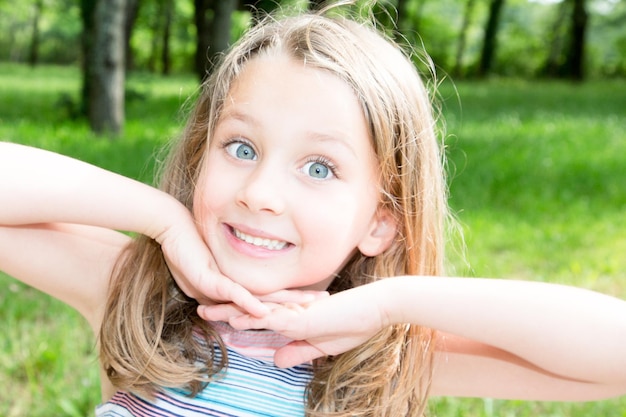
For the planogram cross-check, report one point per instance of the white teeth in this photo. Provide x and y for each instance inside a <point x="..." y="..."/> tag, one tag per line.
<point x="270" y="244"/>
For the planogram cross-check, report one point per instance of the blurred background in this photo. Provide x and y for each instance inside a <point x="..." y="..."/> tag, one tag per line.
<point x="566" y="39"/>
<point x="532" y="96"/>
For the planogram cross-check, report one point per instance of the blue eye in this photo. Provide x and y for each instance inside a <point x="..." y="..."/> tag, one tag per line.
<point x="241" y="150"/>
<point x="318" y="170"/>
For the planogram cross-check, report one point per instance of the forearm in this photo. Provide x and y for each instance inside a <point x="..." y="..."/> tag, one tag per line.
<point x="43" y="187"/>
<point x="571" y="332"/>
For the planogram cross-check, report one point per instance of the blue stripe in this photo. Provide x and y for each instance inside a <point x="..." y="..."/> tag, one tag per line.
<point x="248" y="387"/>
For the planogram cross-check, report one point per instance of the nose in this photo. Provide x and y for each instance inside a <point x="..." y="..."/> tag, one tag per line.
<point x="263" y="190"/>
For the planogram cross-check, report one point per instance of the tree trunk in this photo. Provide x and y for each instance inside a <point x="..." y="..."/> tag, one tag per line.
<point x="220" y="28"/>
<point x="87" y="14"/>
<point x="33" y="56"/>
<point x="213" y="33"/>
<point x="574" y="60"/>
<point x="131" y="13"/>
<point x="166" y="61"/>
<point x="460" y="50"/>
<point x="106" y="96"/>
<point x="157" y="30"/>
<point x="203" y="33"/>
<point x="554" y="62"/>
<point x="490" y="40"/>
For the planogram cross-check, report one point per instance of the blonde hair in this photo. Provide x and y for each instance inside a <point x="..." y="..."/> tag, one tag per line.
<point x="149" y="338"/>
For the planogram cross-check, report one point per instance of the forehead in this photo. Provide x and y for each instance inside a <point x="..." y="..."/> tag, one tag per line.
<point x="277" y="88"/>
<point x="266" y="75"/>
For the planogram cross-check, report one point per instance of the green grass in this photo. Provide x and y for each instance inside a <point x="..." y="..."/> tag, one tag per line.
<point x="537" y="181"/>
<point x="538" y="178"/>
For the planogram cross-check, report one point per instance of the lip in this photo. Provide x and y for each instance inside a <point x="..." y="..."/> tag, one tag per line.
<point x="250" y="249"/>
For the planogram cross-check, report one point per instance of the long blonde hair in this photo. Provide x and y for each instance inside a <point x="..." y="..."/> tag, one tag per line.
<point x="149" y="338"/>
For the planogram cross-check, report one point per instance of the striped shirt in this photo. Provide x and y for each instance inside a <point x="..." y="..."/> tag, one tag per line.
<point x="251" y="385"/>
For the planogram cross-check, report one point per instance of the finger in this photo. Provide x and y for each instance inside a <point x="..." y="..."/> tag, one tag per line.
<point x="248" y="322"/>
<point x="220" y="312"/>
<point x="294" y="296"/>
<point x="296" y="353"/>
<point x="283" y="318"/>
<point x="248" y="302"/>
<point x="223" y="289"/>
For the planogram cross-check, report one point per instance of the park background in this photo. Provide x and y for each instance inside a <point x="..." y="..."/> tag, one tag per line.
<point x="533" y="114"/>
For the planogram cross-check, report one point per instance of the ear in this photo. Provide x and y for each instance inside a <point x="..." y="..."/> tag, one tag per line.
<point x="380" y="235"/>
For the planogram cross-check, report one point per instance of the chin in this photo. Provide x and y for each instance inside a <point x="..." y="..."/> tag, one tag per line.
<point x="255" y="288"/>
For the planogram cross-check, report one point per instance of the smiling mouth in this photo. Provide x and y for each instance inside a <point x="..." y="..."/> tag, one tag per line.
<point x="269" y="244"/>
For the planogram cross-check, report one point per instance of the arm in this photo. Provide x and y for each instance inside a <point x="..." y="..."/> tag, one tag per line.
<point x="518" y="339"/>
<point x="51" y="203"/>
<point x="38" y="186"/>
<point x="512" y="339"/>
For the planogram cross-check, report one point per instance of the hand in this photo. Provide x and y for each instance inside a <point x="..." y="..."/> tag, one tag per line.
<point x="195" y="271"/>
<point x="327" y="326"/>
<point x="197" y="275"/>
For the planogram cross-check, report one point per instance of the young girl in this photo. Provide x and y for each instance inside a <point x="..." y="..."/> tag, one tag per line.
<point x="310" y="163"/>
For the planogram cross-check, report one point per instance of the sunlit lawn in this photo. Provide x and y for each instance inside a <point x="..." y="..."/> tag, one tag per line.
<point x="537" y="173"/>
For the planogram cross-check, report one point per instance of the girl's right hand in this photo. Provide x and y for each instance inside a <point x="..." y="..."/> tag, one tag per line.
<point x="195" y="271"/>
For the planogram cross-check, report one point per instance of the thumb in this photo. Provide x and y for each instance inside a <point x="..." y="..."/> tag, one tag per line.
<point x="296" y="353"/>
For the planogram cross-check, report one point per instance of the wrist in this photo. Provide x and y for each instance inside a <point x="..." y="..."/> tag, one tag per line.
<point x="388" y="299"/>
<point x="402" y="299"/>
<point x="171" y="216"/>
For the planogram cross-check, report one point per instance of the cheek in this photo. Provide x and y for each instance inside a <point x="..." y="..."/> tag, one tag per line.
<point x="336" y="226"/>
<point x="209" y="195"/>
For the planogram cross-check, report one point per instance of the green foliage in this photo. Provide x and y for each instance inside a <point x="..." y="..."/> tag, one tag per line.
<point x="59" y="24"/>
<point x="152" y="108"/>
<point x="47" y="360"/>
<point x="147" y="39"/>
<point x="524" y="38"/>
<point x="536" y="173"/>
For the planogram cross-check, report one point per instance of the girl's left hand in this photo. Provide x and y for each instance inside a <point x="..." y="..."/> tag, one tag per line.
<point x="328" y="326"/>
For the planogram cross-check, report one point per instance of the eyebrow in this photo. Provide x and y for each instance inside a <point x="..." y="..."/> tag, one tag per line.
<point x="237" y="115"/>
<point x="331" y="138"/>
<point x="317" y="136"/>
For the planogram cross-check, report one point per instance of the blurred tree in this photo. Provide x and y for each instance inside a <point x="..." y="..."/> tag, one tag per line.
<point x="166" y="62"/>
<point x="259" y="8"/>
<point x="401" y="8"/>
<point x="557" y="33"/>
<point x="558" y="38"/>
<point x="402" y="16"/>
<point x="162" y="14"/>
<point x="490" y="38"/>
<point x="203" y="33"/>
<point x="316" y="4"/>
<point x="220" y="28"/>
<point x="213" y="24"/>
<point x="575" y="54"/>
<point x="87" y="15"/>
<point x="33" y="56"/>
<point x="566" y="55"/>
<point x="130" y="17"/>
<point x="460" y="50"/>
<point x="419" y="13"/>
<point x="606" y="41"/>
<point x="103" y="82"/>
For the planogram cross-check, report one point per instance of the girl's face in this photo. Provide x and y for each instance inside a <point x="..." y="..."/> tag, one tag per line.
<point x="289" y="190"/>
